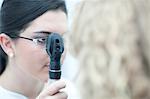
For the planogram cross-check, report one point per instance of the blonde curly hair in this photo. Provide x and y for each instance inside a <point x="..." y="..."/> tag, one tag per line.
<point x="111" y="41"/>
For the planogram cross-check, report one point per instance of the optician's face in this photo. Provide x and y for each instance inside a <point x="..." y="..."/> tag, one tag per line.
<point x="32" y="58"/>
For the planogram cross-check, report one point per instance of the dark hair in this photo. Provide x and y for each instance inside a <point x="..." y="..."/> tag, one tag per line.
<point x="15" y="16"/>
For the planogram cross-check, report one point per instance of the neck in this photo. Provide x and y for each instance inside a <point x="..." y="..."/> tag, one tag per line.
<point x="20" y="82"/>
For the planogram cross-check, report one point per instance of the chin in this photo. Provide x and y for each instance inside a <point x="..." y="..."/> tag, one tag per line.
<point x="44" y="78"/>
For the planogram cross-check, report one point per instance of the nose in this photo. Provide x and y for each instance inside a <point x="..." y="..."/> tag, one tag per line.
<point x="46" y="54"/>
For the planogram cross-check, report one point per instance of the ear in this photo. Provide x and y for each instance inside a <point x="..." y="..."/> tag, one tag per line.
<point x="6" y="44"/>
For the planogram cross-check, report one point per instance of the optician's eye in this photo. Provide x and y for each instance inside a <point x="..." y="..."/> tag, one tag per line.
<point x="41" y="40"/>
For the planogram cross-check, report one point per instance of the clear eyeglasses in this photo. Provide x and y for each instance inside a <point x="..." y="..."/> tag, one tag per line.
<point x="37" y="41"/>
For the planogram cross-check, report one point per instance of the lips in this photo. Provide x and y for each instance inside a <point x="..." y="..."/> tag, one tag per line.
<point x="47" y="65"/>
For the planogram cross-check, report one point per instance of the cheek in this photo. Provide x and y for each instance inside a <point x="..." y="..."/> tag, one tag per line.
<point x="30" y="54"/>
<point x="31" y="59"/>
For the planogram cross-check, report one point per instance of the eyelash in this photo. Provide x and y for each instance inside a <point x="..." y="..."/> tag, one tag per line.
<point x="40" y="40"/>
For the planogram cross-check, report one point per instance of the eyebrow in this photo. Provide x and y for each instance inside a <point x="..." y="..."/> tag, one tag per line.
<point x="43" y="32"/>
<point x="48" y="33"/>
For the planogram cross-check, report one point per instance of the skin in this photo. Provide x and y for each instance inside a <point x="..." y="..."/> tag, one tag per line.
<point x="27" y="68"/>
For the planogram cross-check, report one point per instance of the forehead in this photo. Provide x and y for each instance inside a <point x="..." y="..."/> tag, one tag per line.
<point x="51" y="21"/>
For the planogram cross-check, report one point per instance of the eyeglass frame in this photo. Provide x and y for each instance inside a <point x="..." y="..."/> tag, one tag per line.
<point x="35" y="40"/>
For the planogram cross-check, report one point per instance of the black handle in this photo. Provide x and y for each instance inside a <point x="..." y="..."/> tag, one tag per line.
<point x="55" y="48"/>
